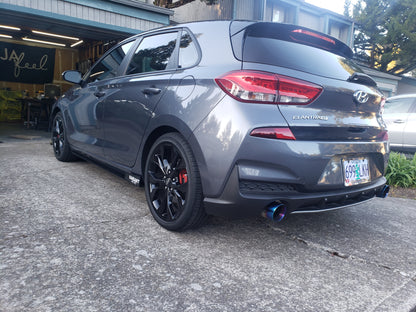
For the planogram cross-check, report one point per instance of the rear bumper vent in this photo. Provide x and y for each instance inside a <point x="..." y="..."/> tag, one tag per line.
<point x="256" y="187"/>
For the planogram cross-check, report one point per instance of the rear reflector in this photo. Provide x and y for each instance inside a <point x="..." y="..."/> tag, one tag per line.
<point x="273" y="133"/>
<point x="383" y="136"/>
<point x="263" y="87"/>
<point x="382" y="104"/>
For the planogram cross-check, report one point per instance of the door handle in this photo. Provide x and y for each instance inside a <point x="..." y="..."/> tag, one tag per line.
<point x="151" y="91"/>
<point x="399" y="121"/>
<point x="99" y="94"/>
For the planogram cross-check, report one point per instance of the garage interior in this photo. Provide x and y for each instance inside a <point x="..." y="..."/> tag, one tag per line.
<point x="37" y="45"/>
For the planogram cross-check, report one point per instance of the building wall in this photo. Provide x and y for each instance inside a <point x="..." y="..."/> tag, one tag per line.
<point x="307" y="15"/>
<point x="406" y="85"/>
<point x="296" y="12"/>
<point x="310" y="20"/>
<point x="387" y="83"/>
<point x="279" y="12"/>
<point x="199" y="11"/>
<point x="111" y="20"/>
<point x="248" y="10"/>
<point x="98" y="11"/>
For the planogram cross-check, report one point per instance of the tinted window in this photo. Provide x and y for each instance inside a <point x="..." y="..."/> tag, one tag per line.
<point x="108" y="66"/>
<point x="153" y="53"/>
<point x="298" y="48"/>
<point x="299" y="57"/>
<point x="188" y="53"/>
<point x="398" y="105"/>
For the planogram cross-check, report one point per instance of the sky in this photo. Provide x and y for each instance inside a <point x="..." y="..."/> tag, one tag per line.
<point x="332" y="5"/>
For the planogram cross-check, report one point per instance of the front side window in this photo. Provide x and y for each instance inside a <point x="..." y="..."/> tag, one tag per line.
<point x="108" y="66"/>
<point x="153" y="53"/>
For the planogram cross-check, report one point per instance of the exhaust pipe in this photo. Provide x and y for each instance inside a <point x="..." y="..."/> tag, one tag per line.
<point x="275" y="212"/>
<point x="383" y="192"/>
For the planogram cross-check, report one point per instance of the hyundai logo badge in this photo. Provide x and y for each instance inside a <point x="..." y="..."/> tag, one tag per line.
<point x="361" y="97"/>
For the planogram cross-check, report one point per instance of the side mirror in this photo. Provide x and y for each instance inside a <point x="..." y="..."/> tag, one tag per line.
<point x="72" y="76"/>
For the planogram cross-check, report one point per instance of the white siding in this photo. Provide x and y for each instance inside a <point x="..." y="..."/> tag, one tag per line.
<point x="310" y="20"/>
<point x="83" y="12"/>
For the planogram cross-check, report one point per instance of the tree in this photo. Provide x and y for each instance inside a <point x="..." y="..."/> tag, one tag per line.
<point x="386" y="33"/>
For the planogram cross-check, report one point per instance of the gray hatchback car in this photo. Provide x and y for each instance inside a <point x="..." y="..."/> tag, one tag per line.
<point x="231" y="118"/>
<point x="400" y="118"/>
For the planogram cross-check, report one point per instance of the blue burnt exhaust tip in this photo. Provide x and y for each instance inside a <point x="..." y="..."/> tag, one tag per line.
<point x="384" y="192"/>
<point x="275" y="212"/>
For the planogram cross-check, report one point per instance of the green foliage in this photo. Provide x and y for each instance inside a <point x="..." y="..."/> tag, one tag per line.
<point x="387" y="33"/>
<point x="401" y="171"/>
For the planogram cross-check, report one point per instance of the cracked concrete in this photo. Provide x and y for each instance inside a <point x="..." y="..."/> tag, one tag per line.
<point x="342" y="255"/>
<point x="75" y="237"/>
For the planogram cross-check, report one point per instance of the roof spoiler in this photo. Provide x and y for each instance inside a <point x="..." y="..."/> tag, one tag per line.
<point x="298" y="34"/>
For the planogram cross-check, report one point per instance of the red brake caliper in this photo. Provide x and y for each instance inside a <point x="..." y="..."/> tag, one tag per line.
<point x="183" y="177"/>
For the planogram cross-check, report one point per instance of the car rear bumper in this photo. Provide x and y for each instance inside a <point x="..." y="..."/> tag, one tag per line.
<point x="249" y="198"/>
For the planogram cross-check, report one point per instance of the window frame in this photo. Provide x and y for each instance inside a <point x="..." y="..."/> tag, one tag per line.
<point x="120" y="68"/>
<point x="198" y="49"/>
<point x="412" y="105"/>
<point x="173" y="60"/>
<point x="173" y="64"/>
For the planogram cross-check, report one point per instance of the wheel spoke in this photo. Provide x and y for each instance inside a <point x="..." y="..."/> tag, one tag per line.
<point x="154" y="180"/>
<point x="57" y="129"/>
<point x="178" y="199"/>
<point x="161" y="203"/>
<point x="56" y="146"/>
<point x="153" y="192"/>
<point x="58" y="138"/>
<point x="167" y="166"/>
<point x="181" y="188"/>
<point x="171" y="212"/>
<point x="176" y="161"/>
<point x="159" y="163"/>
<point x="61" y="144"/>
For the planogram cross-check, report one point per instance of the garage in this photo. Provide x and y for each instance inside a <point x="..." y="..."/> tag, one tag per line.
<point x="41" y="39"/>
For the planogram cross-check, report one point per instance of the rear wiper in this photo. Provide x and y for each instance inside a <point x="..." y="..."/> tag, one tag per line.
<point x="362" y="79"/>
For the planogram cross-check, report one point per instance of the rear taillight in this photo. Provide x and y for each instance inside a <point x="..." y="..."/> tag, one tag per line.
<point x="268" y="88"/>
<point x="273" y="133"/>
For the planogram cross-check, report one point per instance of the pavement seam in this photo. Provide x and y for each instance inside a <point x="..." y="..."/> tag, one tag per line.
<point x="341" y="255"/>
<point x="377" y="307"/>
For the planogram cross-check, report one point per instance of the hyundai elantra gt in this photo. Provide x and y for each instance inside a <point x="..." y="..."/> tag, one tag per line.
<point x="231" y="118"/>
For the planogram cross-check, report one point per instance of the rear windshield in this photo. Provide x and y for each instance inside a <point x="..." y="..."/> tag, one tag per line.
<point x="298" y="48"/>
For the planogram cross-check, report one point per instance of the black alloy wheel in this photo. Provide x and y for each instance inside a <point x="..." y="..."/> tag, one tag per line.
<point x="172" y="184"/>
<point x="60" y="145"/>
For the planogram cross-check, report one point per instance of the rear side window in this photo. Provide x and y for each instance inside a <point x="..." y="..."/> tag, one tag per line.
<point x="153" y="53"/>
<point x="399" y="106"/>
<point x="188" y="52"/>
<point x="297" y="48"/>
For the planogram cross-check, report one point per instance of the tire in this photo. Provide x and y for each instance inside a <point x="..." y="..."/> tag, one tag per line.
<point x="173" y="184"/>
<point x="61" y="147"/>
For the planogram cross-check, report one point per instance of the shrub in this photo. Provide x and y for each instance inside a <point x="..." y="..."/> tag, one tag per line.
<point x="401" y="171"/>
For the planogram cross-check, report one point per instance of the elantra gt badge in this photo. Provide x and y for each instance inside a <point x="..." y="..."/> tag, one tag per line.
<point x="309" y="117"/>
<point x="360" y="97"/>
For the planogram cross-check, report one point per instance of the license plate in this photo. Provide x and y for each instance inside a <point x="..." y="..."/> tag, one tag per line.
<point x="356" y="171"/>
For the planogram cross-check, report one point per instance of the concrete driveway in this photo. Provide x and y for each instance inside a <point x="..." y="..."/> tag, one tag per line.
<point x="75" y="237"/>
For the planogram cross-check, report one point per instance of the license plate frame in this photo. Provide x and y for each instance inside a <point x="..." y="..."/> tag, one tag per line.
<point x="356" y="171"/>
